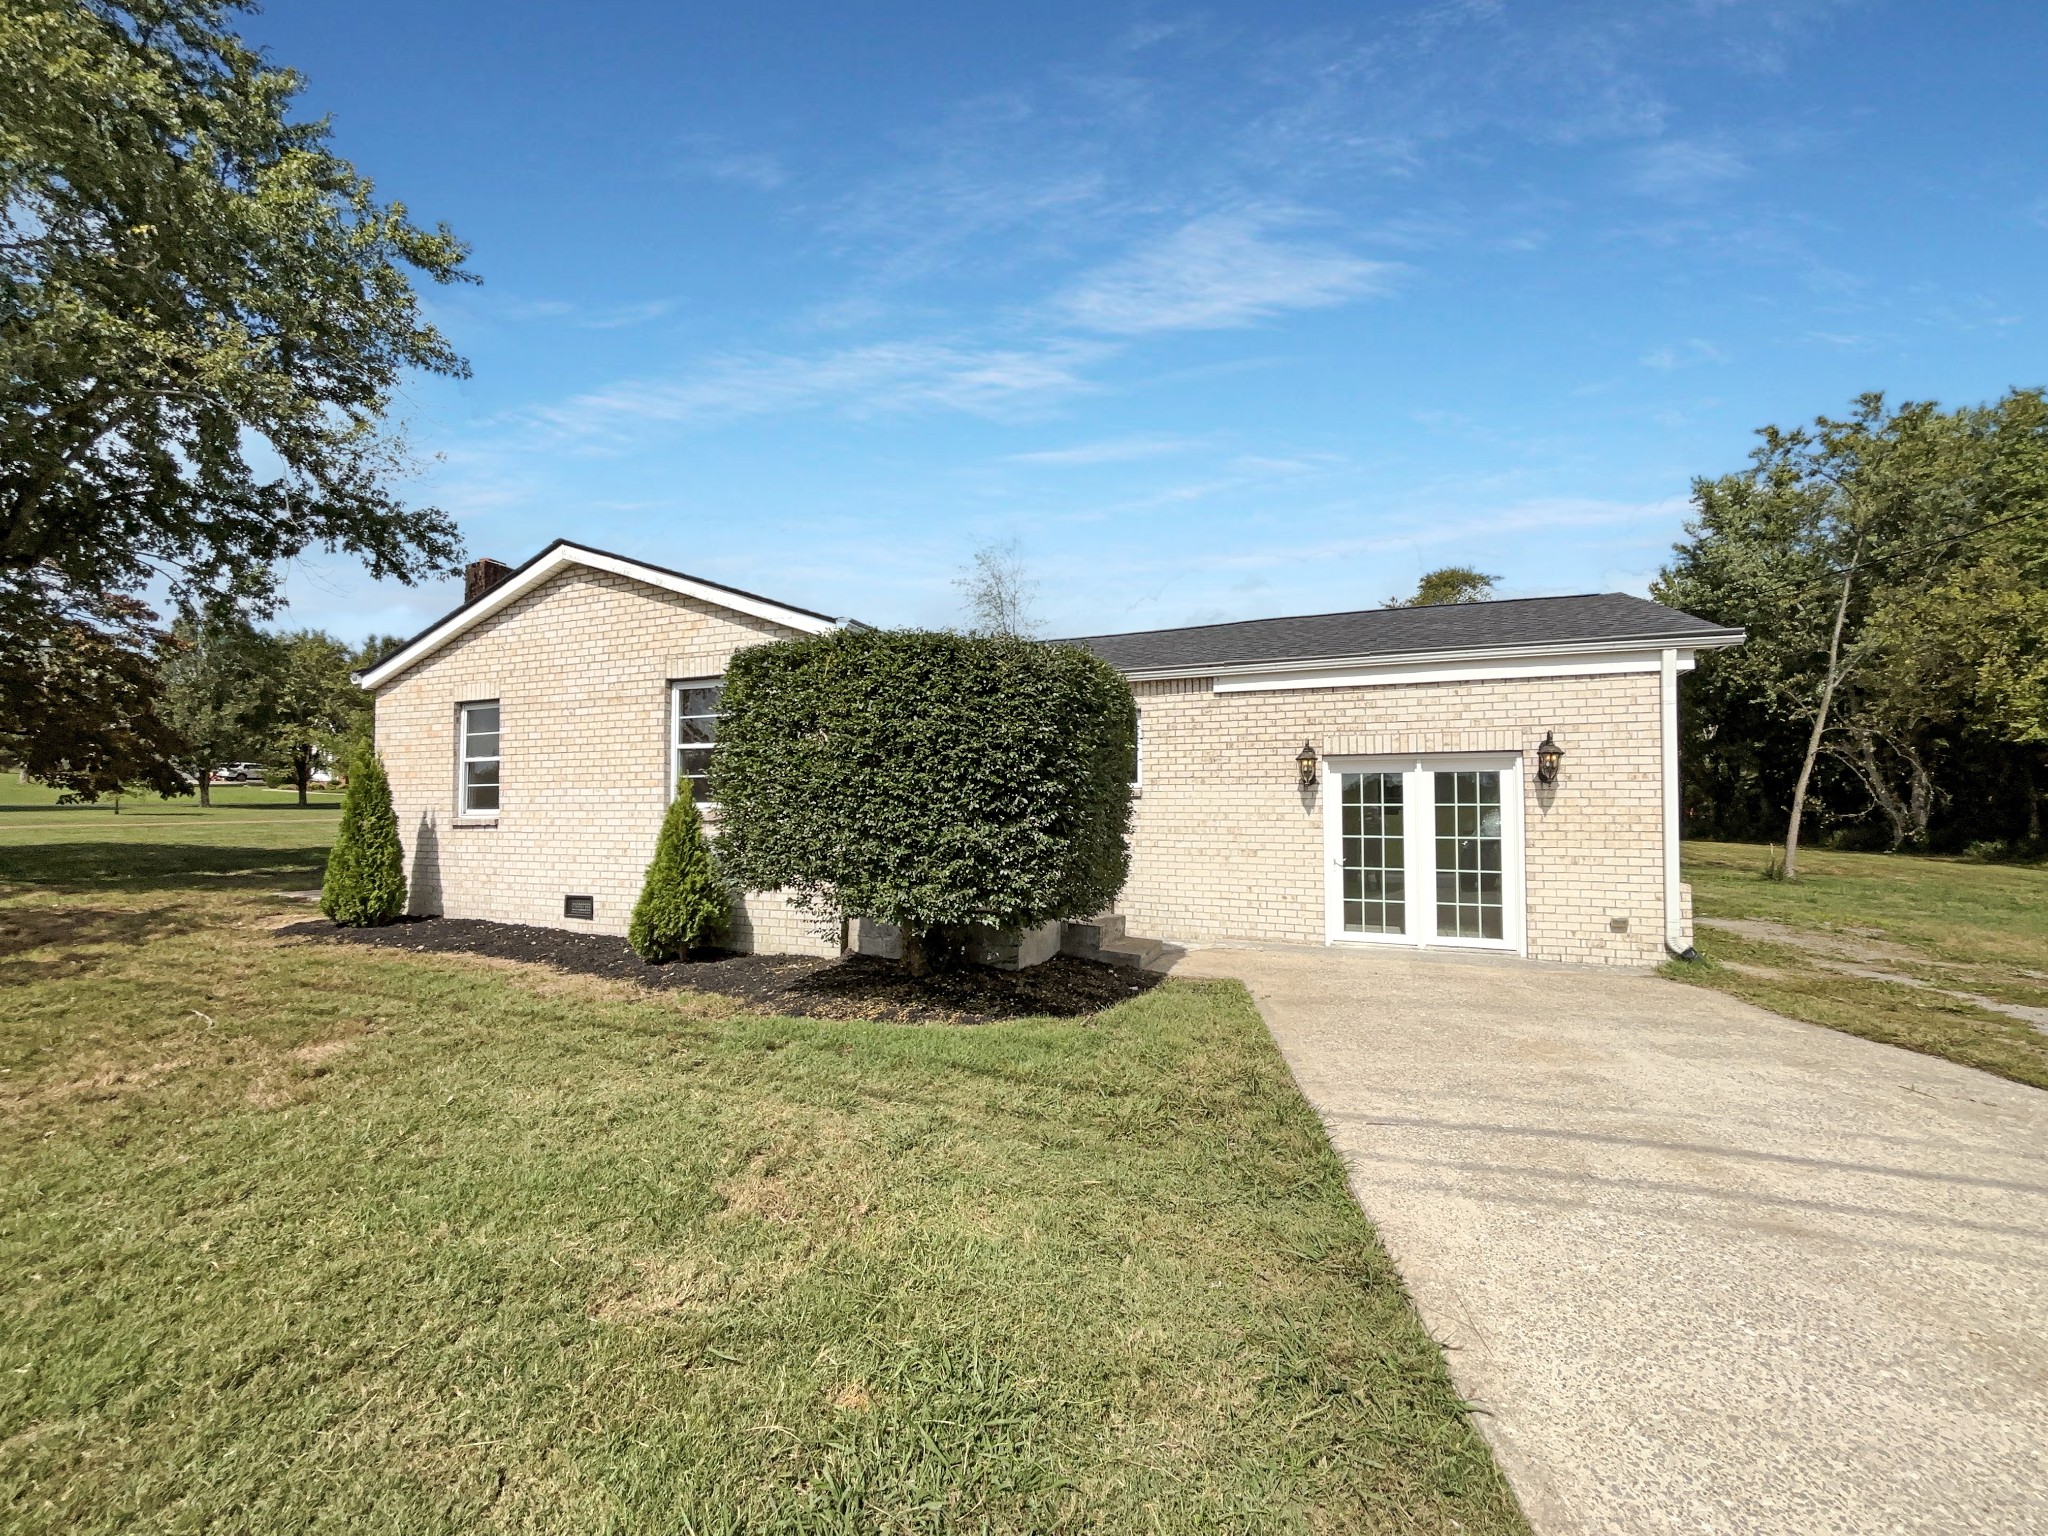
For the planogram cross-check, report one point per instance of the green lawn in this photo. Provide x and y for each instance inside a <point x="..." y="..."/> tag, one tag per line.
<point x="297" y="1238"/>
<point x="1921" y="930"/>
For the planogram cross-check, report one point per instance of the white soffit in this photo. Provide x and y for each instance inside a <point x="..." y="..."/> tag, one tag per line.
<point x="1356" y="674"/>
<point x="555" y="560"/>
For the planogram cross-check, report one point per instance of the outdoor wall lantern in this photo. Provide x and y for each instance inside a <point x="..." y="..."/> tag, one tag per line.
<point x="1305" y="762"/>
<point x="1548" y="756"/>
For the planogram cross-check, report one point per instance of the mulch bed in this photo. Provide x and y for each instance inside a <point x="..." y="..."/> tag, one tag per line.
<point x="804" y="986"/>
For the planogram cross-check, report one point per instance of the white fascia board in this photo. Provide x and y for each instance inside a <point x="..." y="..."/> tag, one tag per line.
<point x="1465" y="667"/>
<point x="515" y="587"/>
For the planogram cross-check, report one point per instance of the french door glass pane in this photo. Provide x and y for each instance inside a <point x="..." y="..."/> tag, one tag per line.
<point x="1375" y="874"/>
<point x="1469" y="902"/>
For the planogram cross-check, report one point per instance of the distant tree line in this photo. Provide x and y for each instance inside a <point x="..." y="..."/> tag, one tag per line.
<point x="1891" y="568"/>
<point x="229" y="692"/>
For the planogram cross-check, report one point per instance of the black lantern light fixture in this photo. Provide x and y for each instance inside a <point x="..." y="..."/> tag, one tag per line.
<point x="1305" y="764"/>
<point x="1548" y="756"/>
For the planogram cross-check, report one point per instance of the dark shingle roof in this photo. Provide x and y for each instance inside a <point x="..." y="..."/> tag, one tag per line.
<point x="1507" y="623"/>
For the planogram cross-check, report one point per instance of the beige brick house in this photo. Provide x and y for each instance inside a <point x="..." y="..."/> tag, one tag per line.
<point x="1354" y="778"/>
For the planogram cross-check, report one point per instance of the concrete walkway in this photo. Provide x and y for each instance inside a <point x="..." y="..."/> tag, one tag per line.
<point x="1703" y="1268"/>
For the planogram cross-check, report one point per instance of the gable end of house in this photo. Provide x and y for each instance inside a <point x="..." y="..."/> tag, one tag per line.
<point x="564" y="555"/>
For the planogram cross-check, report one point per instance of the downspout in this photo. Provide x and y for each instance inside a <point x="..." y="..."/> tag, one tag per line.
<point x="1675" y="941"/>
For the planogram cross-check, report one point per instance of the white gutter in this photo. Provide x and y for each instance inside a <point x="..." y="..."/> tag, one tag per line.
<point x="1705" y="641"/>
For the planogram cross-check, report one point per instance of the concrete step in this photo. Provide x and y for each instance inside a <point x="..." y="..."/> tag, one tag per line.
<point x="1085" y="937"/>
<point x="1133" y="954"/>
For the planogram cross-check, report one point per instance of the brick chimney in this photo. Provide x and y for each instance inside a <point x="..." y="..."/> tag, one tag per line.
<point x="479" y="576"/>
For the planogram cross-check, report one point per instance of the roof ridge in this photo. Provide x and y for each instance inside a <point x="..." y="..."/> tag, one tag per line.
<point x="1347" y="613"/>
<point x="669" y="570"/>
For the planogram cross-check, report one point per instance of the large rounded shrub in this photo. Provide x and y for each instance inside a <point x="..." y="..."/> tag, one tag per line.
<point x="932" y="780"/>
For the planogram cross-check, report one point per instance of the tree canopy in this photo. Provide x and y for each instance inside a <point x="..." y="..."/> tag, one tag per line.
<point x="1000" y="591"/>
<point x="1447" y="584"/>
<point x="219" y="693"/>
<point x="204" y="313"/>
<point x="1891" y="568"/>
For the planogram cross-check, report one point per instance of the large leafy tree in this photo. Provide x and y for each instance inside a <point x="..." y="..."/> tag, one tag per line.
<point x="315" y="706"/>
<point x="79" y="699"/>
<point x="218" y="691"/>
<point x="1447" y="584"/>
<point x="1878" y="563"/>
<point x="204" y="313"/>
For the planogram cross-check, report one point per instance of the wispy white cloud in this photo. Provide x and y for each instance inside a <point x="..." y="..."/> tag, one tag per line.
<point x="1682" y="354"/>
<point x="1123" y="450"/>
<point x="626" y="315"/>
<point x="1000" y="382"/>
<point x="1684" y="170"/>
<point x="1431" y="527"/>
<point x="712" y="158"/>
<point x="1219" y="272"/>
<point x="613" y="317"/>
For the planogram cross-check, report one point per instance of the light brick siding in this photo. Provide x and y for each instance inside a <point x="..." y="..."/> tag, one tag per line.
<point x="580" y="666"/>
<point x="1227" y="845"/>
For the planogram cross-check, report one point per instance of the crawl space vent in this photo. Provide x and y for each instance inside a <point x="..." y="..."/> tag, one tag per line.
<point x="579" y="906"/>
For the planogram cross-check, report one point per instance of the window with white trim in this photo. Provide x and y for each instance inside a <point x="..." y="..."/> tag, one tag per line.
<point x="1138" y="749"/>
<point x="693" y="730"/>
<point x="478" y="788"/>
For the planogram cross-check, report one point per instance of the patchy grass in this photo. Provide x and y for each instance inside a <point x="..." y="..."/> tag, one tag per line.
<point x="304" y="1238"/>
<point x="1907" y="950"/>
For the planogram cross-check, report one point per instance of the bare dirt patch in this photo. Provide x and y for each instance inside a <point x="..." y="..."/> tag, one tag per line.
<point x="1856" y="952"/>
<point x="800" y="986"/>
<point x="1858" y="944"/>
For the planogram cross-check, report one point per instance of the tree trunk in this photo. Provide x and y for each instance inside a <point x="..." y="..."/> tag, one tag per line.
<point x="1920" y="800"/>
<point x="1820" y="720"/>
<point x="916" y="959"/>
<point x="205" y="785"/>
<point x="1866" y="766"/>
<point x="302" y="770"/>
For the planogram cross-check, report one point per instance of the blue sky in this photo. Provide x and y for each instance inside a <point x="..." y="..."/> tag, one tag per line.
<point x="1218" y="313"/>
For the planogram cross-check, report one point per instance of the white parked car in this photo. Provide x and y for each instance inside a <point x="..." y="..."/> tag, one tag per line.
<point x="238" y="773"/>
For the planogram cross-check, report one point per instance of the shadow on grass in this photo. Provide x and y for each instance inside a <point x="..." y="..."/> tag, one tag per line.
<point x="158" y="808"/>
<point x="65" y="931"/>
<point x="161" y="866"/>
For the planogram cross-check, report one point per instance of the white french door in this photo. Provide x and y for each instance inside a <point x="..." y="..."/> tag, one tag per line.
<point x="1424" y="850"/>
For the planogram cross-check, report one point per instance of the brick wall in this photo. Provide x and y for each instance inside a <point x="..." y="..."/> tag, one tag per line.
<point x="580" y="666"/>
<point x="1227" y="845"/>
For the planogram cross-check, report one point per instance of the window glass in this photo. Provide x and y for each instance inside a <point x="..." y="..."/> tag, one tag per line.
<point x="1374" y="854"/>
<point x="693" y="717"/>
<point x="479" y="786"/>
<point x="1469" y="894"/>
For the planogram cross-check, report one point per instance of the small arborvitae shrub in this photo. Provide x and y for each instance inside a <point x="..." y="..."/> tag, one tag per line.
<point x="683" y="905"/>
<point x="365" y="884"/>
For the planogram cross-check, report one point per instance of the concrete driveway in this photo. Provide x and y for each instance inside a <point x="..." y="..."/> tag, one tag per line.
<point x="1704" y="1269"/>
